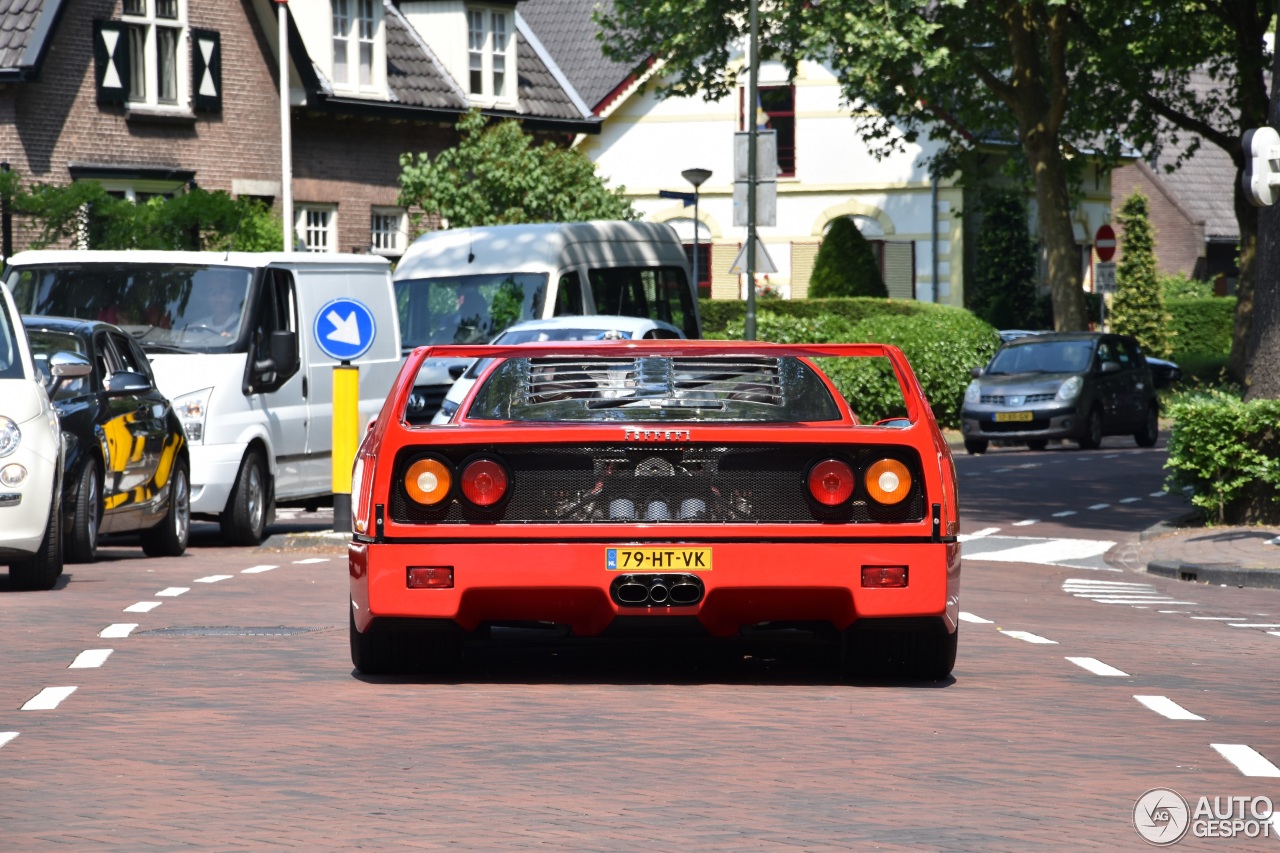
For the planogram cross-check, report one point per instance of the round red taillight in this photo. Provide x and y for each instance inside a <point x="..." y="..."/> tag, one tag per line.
<point x="484" y="482"/>
<point x="831" y="482"/>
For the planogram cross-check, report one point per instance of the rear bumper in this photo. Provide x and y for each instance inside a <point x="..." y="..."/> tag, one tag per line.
<point x="568" y="584"/>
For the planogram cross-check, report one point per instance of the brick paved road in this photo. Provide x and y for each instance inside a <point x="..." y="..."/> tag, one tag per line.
<point x="197" y="733"/>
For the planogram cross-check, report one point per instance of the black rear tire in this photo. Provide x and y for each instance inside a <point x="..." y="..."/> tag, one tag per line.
<point x="169" y="537"/>
<point x="42" y="569"/>
<point x="244" y="520"/>
<point x="405" y="651"/>
<point x="1150" y="432"/>
<point x="974" y="446"/>
<point x="925" y="654"/>
<point x="1092" y="439"/>
<point x="80" y="543"/>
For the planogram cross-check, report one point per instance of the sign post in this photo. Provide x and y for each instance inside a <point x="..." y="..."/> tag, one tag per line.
<point x="1104" y="272"/>
<point x="344" y="330"/>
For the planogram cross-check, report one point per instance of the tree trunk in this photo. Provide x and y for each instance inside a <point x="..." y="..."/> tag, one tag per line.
<point x="1053" y="199"/>
<point x="1262" y="318"/>
<point x="1247" y="218"/>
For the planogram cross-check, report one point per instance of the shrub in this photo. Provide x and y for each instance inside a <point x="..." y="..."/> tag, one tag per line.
<point x="725" y="318"/>
<point x="1003" y="289"/>
<point x="846" y="265"/>
<point x="1228" y="452"/>
<point x="1201" y="327"/>
<point x="1137" y="308"/>
<point x="1182" y="286"/>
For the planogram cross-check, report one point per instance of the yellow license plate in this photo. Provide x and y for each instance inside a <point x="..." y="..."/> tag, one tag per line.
<point x="1013" y="416"/>
<point x="638" y="559"/>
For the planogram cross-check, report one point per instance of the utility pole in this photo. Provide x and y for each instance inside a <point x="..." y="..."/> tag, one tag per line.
<point x="753" y="79"/>
<point x="286" y="137"/>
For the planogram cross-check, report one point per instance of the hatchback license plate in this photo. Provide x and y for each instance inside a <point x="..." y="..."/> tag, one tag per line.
<point x="1013" y="416"/>
<point x="657" y="559"/>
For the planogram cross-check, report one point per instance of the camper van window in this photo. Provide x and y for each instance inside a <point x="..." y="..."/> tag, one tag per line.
<point x="466" y="309"/>
<point x="658" y="293"/>
<point x="569" y="296"/>
<point x="165" y="307"/>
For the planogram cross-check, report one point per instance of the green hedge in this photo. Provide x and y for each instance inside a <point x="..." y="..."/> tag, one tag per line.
<point x="1201" y="327"/>
<point x="719" y="314"/>
<point x="940" y="342"/>
<point x="1228" y="452"/>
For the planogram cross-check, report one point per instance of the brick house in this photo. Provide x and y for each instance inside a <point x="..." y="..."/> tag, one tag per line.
<point x="149" y="96"/>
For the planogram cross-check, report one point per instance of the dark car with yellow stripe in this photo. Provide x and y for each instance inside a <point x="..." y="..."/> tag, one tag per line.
<point x="126" y="466"/>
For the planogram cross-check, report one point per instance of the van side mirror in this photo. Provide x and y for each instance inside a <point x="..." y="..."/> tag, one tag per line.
<point x="124" y="382"/>
<point x="281" y="363"/>
<point x="1110" y="367"/>
<point x="975" y="372"/>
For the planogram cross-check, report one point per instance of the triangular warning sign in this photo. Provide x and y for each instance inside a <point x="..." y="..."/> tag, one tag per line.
<point x="764" y="263"/>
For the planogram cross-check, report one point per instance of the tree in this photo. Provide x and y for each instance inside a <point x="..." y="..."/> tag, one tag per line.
<point x="497" y="174"/>
<point x="1262" y="377"/>
<point x="846" y="265"/>
<point x="1003" y="284"/>
<point x="965" y="73"/>
<point x="1137" y="309"/>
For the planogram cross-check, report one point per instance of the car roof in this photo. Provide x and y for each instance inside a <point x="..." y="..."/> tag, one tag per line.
<point x="1057" y="336"/>
<point x="65" y="324"/>
<point x="598" y="322"/>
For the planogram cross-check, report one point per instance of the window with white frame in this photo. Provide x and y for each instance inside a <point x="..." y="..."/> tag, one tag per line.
<point x="316" y="226"/>
<point x="157" y="46"/>
<point x="388" y="233"/>
<point x="355" y="38"/>
<point x="490" y="57"/>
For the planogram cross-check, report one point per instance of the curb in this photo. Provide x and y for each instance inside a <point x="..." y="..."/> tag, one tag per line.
<point x="323" y="541"/>
<point x="1223" y="574"/>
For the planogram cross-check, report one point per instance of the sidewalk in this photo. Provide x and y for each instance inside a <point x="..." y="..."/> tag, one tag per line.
<point x="1234" y="556"/>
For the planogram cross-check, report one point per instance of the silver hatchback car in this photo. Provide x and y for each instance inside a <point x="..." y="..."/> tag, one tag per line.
<point x="1072" y="385"/>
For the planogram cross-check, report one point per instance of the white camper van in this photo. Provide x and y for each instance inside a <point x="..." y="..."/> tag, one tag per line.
<point x="467" y="285"/>
<point x="243" y="344"/>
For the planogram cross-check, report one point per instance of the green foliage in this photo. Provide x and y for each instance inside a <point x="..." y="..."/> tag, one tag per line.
<point x="1002" y="289"/>
<point x="1137" y="308"/>
<point x="1228" y="452"/>
<point x="1201" y="327"/>
<point x="940" y="342"/>
<point x="1182" y="286"/>
<point x="496" y="174"/>
<point x="719" y="316"/>
<point x="846" y="264"/>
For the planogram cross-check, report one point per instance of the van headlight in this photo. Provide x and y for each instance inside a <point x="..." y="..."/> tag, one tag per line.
<point x="1070" y="389"/>
<point x="973" y="394"/>
<point x="191" y="410"/>
<point x="10" y="436"/>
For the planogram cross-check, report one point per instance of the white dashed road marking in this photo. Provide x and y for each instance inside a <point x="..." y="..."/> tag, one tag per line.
<point x="214" y="578"/>
<point x="120" y="629"/>
<point x="1247" y="759"/>
<point x="91" y="659"/>
<point x="172" y="591"/>
<point x="1129" y="500"/>
<point x="1033" y="550"/>
<point x="256" y="570"/>
<point x="1026" y="522"/>
<point x="5" y="737"/>
<point x="1029" y="637"/>
<point x="143" y="607"/>
<point x="969" y="617"/>
<point x="1166" y="707"/>
<point x="1100" y="506"/>
<point x="977" y="534"/>
<point x="1097" y="667"/>
<point x="311" y="560"/>
<point x="48" y="699"/>
<point x="1254" y="624"/>
<point x="1220" y="618"/>
<point x="1159" y="494"/>
<point x="1064" y="513"/>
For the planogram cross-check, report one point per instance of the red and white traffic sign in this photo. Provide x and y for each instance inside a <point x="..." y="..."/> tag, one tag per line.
<point x="1104" y="243"/>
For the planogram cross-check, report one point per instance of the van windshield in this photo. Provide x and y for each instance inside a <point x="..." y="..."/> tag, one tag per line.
<point x="466" y="309"/>
<point x="166" y="307"/>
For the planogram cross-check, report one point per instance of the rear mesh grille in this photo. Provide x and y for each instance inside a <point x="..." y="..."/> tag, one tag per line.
<point x="667" y="485"/>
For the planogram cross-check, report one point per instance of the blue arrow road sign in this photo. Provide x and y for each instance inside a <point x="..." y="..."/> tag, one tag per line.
<point x="345" y="329"/>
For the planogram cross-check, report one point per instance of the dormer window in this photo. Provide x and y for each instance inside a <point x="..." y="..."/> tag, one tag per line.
<point x="156" y="51"/>
<point x="489" y="54"/>
<point x="355" y="42"/>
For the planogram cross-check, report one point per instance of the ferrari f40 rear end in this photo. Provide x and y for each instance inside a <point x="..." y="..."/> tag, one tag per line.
<point x="632" y="487"/>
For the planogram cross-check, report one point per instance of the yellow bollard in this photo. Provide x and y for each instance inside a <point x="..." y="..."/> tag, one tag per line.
<point x="346" y="440"/>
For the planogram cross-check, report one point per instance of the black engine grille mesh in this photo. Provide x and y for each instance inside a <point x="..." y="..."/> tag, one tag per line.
<point x="658" y="485"/>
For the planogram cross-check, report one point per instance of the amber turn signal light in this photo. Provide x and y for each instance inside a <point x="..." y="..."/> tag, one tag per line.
<point x="428" y="481"/>
<point x="888" y="481"/>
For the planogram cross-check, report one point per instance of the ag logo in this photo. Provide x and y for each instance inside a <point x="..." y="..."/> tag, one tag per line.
<point x="1161" y="816"/>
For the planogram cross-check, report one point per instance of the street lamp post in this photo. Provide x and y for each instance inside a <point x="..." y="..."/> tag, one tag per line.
<point x="697" y="177"/>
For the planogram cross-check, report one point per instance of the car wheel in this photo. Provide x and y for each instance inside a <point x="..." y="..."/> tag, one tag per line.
<point x="1092" y="439"/>
<point x="81" y="542"/>
<point x="404" y="651"/>
<point x="42" y="569"/>
<point x="1146" y="437"/>
<point x="169" y="537"/>
<point x="919" y="655"/>
<point x="1038" y="443"/>
<point x="244" y="521"/>
<point x="974" y="446"/>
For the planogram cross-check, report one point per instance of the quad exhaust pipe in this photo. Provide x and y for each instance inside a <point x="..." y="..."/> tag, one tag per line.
<point x="657" y="590"/>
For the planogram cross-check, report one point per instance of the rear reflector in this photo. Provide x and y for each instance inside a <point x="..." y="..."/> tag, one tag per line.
<point x="884" y="577"/>
<point x="431" y="577"/>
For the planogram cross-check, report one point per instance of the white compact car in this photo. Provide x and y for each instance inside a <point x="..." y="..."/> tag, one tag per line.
<point x="582" y="328"/>
<point x="30" y="457"/>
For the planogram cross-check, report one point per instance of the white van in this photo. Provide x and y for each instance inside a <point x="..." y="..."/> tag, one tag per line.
<point x="467" y="285"/>
<point x="238" y="343"/>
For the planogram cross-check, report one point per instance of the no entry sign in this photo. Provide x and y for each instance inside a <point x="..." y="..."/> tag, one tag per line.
<point x="1104" y="243"/>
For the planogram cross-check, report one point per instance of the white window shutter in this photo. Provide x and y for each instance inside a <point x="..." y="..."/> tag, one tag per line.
<point x="111" y="61"/>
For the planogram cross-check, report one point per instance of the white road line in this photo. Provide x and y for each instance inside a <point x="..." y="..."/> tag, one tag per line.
<point x="172" y="591"/>
<point x="1029" y="637"/>
<point x="1274" y="633"/>
<point x="977" y="534"/>
<point x="1129" y="500"/>
<point x="1064" y="513"/>
<point x="1247" y="760"/>
<point x="1097" y="667"/>
<point x="1220" y="618"/>
<point x="1112" y="456"/>
<point x="214" y="578"/>
<point x="1139" y="601"/>
<point x="1106" y="583"/>
<point x="311" y="560"/>
<point x="5" y="737"/>
<point x="91" y="659"/>
<point x="1254" y="624"/>
<point x="1047" y="551"/>
<point x="143" y="607"/>
<point x="120" y="629"/>
<point x="1159" y="494"/>
<point x="1173" y="611"/>
<point x="1166" y="707"/>
<point x="1026" y="522"/>
<point x="969" y="617"/>
<point x="1002" y="471"/>
<point x="48" y="699"/>
<point x="1100" y="506"/>
<point x="257" y="570"/>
